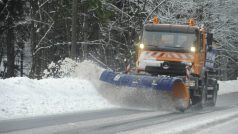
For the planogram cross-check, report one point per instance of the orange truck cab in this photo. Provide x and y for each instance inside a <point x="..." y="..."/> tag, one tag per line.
<point x="183" y="51"/>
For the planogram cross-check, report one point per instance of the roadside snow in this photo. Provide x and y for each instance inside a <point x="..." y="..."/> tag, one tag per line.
<point x="228" y="87"/>
<point x="26" y="97"/>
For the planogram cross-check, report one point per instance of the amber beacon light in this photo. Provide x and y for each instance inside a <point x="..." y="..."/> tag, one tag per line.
<point x="155" y="20"/>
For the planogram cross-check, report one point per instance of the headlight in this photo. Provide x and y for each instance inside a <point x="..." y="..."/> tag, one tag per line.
<point x="142" y="46"/>
<point x="193" y="49"/>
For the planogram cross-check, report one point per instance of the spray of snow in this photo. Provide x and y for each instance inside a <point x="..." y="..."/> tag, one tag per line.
<point x="137" y="98"/>
<point x="88" y="70"/>
<point x="123" y="96"/>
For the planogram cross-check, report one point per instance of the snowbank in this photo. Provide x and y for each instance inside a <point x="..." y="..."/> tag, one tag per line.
<point x="26" y="97"/>
<point x="21" y="97"/>
<point x="228" y="87"/>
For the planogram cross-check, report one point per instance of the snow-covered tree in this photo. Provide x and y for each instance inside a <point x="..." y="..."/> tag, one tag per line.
<point x="107" y="30"/>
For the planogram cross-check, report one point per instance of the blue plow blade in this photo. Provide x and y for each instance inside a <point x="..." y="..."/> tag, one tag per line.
<point x="139" y="81"/>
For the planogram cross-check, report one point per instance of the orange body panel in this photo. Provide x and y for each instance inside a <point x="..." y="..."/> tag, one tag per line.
<point x="200" y="55"/>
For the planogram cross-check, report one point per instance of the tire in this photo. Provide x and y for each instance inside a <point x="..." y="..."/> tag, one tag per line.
<point x="203" y="97"/>
<point x="201" y="100"/>
<point x="212" y="103"/>
<point x="195" y="100"/>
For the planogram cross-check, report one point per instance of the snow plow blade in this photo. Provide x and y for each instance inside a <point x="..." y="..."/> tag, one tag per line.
<point x="180" y="93"/>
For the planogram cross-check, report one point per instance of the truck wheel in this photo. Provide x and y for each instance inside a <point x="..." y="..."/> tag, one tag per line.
<point x="212" y="102"/>
<point x="195" y="100"/>
<point x="203" y="97"/>
<point x="200" y="101"/>
<point x="203" y="92"/>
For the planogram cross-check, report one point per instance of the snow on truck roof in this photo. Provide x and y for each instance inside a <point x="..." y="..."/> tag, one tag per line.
<point x="171" y="28"/>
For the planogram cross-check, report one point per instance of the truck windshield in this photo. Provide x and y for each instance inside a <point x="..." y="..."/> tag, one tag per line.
<point x="165" y="40"/>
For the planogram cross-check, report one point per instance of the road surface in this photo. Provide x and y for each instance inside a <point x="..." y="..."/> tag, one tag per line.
<point x="209" y="120"/>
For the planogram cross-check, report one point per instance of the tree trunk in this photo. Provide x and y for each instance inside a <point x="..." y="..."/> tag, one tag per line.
<point x="1" y="52"/>
<point x="35" y="68"/>
<point x="74" y="26"/>
<point x="10" y="49"/>
<point x="84" y="45"/>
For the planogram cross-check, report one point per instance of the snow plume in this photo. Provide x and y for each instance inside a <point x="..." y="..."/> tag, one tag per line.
<point x="69" y="68"/>
<point x="123" y="96"/>
<point x="136" y="98"/>
<point x="87" y="70"/>
<point x="63" y="68"/>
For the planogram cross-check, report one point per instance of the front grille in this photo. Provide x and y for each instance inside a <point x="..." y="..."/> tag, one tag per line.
<point x="174" y="69"/>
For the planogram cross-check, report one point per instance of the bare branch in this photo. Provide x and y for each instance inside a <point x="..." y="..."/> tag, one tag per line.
<point x="117" y="9"/>
<point x="37" y="46"/>
<point x="153" y="10"/>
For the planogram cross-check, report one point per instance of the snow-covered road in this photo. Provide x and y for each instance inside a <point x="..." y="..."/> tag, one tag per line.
<point x="133" y="121"/>
<point x="228" y="127"/>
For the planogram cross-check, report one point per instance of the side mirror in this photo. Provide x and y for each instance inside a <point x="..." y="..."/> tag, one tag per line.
<point x="209" y="41"/>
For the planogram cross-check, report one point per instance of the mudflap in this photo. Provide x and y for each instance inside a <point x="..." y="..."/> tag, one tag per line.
<point x="174" y="85"/>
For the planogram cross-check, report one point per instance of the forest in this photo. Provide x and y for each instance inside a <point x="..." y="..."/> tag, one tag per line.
<point x="35" y="33"/>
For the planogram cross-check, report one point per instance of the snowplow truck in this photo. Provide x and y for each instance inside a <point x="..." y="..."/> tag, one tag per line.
<point x="173" y="58"/>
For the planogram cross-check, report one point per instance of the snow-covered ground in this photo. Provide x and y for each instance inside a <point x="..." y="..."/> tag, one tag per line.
<point x="24" y="97"/>
<point x="228" y="86"/>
